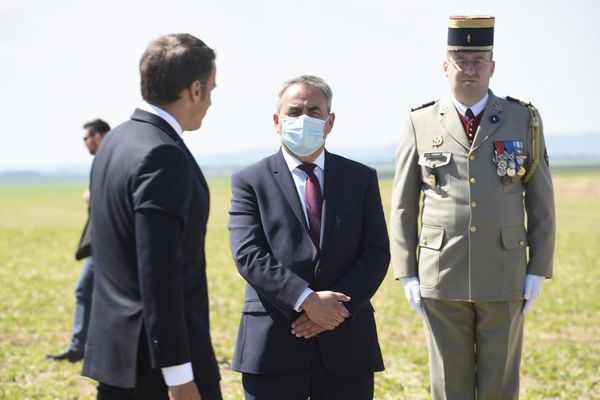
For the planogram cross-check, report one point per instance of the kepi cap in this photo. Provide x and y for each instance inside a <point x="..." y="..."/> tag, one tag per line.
<point x="471" y="33"/>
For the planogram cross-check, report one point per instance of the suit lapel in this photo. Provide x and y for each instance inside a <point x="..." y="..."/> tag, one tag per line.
<point x="284" y="179"/>
<point x="486" y="127"/>
<point x="331" y="198"/>
<point x="144" y="116"/>
<point x="451" y="122"/>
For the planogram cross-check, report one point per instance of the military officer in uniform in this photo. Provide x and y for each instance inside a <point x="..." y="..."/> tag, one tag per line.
<point x="475" y="263"/>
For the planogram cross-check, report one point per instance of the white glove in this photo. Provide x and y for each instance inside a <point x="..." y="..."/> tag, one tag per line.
<point x="533" y="288"/>
<point x="413" y="294"/>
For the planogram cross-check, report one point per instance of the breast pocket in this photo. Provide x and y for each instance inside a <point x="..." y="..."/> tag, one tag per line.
<point x="435" y="169"/>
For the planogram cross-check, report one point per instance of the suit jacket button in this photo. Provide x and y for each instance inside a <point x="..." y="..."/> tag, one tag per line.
<point x="473" y="228"/>
<point x="472" y="180"/>
<point x="472" y="157"/>
<point x="473" y="204"/>
<point x="521" y="243"/>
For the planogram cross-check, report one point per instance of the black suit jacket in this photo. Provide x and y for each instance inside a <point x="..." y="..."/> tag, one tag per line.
<point x="273" y="251"/>
<point x="148" y="222"/>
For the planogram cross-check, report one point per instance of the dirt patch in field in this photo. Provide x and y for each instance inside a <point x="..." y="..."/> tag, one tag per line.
<point x="577" y="186"/>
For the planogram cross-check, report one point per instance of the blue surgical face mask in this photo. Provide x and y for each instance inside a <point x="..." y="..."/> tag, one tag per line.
<point x="303" y="135"/>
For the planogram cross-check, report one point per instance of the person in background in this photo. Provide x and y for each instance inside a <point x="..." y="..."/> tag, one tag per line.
<point x="472" y="265"/>
<point x="93" y="133"/>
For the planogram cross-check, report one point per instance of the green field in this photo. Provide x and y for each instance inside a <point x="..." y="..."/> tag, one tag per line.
<point x="40" y="227"/>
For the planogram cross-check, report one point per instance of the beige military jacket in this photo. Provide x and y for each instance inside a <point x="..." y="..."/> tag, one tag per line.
<point x="478" y="235"/>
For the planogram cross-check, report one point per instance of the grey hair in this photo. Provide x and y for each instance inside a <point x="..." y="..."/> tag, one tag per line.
<point x="309" y="80"/>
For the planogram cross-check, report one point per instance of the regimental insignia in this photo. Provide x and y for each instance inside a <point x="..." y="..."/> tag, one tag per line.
<point x="494" y="118"/>
<point x="437" y="141"/>
<point x="509" y="157"/>
<point x="432" y="180"/>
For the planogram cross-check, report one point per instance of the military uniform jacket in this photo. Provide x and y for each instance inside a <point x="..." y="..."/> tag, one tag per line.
<point x="473" y="244"/>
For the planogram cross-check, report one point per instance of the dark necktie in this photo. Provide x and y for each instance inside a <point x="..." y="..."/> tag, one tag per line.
<point x="471" y="128"/>
<point x="313" y="200"/>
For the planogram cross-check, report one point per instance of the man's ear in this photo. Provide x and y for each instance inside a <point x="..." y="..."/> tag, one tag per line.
<point x="329" y="123"/>
<point x="276" y="122"/>
<point x="197" y="91"/>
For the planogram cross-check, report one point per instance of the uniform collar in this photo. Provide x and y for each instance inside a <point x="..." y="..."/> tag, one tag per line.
<point x="477" y="108"/>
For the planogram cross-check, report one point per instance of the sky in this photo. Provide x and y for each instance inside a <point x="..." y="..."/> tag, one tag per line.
<point x="64" y="62"/>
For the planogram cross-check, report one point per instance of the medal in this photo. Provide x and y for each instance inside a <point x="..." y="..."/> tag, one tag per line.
<point x="510" y="171"/>
<point x="521" y="171"/>
<point x="432" y="180"/>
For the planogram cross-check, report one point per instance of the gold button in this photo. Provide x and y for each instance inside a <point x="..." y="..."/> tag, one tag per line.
<point x="472" y="157"/>
<point x="472" y="180"/>
<point x="473" y="229"/>
<point x="424" y="242"/>
<point x="521" y="243"/>
<point x="473" y="204"/>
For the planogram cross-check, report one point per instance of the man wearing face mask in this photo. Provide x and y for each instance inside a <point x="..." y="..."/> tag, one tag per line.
<point x="308" y="234"/>
<point x="469" y="169"/>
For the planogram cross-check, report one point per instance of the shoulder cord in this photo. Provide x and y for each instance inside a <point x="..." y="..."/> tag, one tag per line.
<point x="535" y="143"/>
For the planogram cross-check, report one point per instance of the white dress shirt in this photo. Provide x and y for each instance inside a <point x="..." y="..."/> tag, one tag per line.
<point x="182" y="373"/>
<point x="300" y="177"/>
<point x="477" y="108"/>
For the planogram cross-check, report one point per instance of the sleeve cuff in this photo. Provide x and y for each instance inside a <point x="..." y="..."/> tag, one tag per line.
<point x="301" y="298"/>
<point x="178" y="374"/>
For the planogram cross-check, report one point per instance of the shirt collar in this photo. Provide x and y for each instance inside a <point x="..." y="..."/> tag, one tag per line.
<point x="152" y="109"/>
<point x="477" y="108"/>
<point x="293" y="163"/>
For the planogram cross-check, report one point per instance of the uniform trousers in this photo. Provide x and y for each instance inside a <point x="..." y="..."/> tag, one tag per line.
<point x="315" y="383"/>
<point x="474" y="349"/>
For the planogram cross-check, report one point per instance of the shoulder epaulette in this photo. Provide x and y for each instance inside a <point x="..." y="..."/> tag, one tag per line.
<point x="423" y="106"/>
<point x="521" y="102"/>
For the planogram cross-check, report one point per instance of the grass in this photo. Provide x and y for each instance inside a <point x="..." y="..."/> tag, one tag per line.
<point x="40" y="227"/>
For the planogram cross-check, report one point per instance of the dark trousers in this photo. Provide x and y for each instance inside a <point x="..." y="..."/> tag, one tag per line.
<point x="108" y="392"/>
<point x="83" y="306"/>
<point x="150" y="384"/>
<point x="315" y="383"/>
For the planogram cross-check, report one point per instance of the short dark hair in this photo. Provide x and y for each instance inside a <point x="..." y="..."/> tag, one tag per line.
<point x="97" y="126"/>
<point x="172" y="63"/>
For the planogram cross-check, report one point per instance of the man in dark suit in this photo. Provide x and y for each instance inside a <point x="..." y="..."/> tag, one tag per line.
<point x="93" y="133"/>
<point x="149" y="331"/>
<point x="308" y="235"/>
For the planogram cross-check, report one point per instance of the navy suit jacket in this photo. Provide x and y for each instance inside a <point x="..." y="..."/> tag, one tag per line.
<point x="148" y="221"/>
<point x="273" y="251"/>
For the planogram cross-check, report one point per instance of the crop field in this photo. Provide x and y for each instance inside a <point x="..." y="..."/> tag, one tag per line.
<point x="40" y="226"/>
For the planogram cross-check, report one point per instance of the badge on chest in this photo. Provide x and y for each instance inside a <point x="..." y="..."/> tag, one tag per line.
<point x="432" y="161"/>
<point x="509" y="157"/>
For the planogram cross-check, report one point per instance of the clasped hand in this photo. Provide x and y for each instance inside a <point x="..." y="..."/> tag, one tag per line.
<point x="322" y="311"/>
